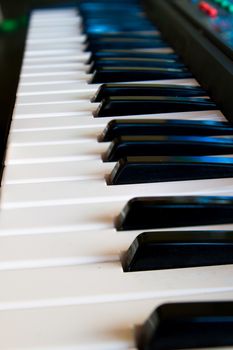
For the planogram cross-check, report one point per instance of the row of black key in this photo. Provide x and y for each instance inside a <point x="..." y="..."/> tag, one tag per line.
<point x="149" y="151"/>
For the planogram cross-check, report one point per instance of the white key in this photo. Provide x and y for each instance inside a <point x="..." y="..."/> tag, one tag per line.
<point x="54" y="172"/>
<point x="55" y="123"/>
<point x="55" y="45"/>
<point x="55" y="77"/>
<point x="68" y="218"/>
<point x="97" y="191"/>
<point x="78" y="150"/>
<point x="58" y="108"/>
<point x="79" y="87"/>
<point x="104" y="282"/>
<point x="77" y="57"/>
<point x="48" y="136"/>
<point x="75" y="39"/>
<point x="52" y="52"/>
<point x="55" y="96"/>
<point x="54" y="68"/>
<point x="38" y="15"/>
<point x="108" y="326"/>
<point x="63" y="249"/>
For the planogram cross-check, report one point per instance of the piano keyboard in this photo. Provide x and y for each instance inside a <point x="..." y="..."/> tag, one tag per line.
<point x="61" y="256"/>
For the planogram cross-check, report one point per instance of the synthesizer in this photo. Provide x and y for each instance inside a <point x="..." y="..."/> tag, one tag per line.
<point x="116" y="214"/>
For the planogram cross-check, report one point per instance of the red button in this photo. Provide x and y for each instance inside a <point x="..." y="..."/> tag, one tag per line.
<point x="208" y="9"/>
<point x="213" y="12"/>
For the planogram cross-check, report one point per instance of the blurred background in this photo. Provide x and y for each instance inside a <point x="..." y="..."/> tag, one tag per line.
<point x="15" y="8"/>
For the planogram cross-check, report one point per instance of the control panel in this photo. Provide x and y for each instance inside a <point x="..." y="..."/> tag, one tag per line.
<point x="215" y="20"/>
<point x="201" y="32"/>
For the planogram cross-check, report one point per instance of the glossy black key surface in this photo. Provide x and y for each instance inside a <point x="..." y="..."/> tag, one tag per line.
<point x="125" y="74"/>
<point x="137" y="35"/>
<point x="163" y="212"/>
<point x="112" y="26"/>
<point x="128" y="62"/>
<point x="137" y="127"/>
<point x="188" y="326"/>
<point x="133" y="146"/>
<point x="129" y="53"/>
<point x="113" y="90"/>
<point x="103" y="5"/>
<point x="132" y="170"/>
<point x="135" y="105"/>
<point x="124" y="43"/>
<point x="178" y="249"/>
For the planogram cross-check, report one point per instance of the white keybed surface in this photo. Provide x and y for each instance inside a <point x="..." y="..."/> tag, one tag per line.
<point x="62" y="284"/>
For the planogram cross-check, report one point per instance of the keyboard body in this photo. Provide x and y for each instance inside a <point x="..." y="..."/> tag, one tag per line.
<point x="62" y="281"/>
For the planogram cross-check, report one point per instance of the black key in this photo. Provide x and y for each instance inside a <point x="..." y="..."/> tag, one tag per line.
<point x="111" y="26"/>
<point x="137" y="127"/>
<point x="133" y="146"/>
<point x="127" y="62"/>
<point x="129" y="6"/>
<point x="135" y="105"/>
<point x="101" y="44"/>
<point x="187" y="326"/>
<point x="129" y="53"/>
<point x="149" y="35"/>
<point x="113" y="90"/>
<point x="178" y="249"/>
<point x="163" y="212"/>
<point x="114" y="39"/>
<point x="132" y="170"/>
<point x="116" y="17"/>
<point x="125" y="74"/>
<point x="112" y="12"/>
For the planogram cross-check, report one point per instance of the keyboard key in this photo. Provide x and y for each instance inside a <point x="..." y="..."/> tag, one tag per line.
<point x="135" y="105"/>
<point x="110" y="90"/>
<point x="188" y="325"/>
<point x="133" y="54"/>
<point x="180" y="249"/>
<point x="124" y="43"/>
<point x="128" y="62"/>
<point x="164" y="212"/>
<point x="133" y="146"/>
<point x="121" y="74"/>
<point x="132" y="170"/>
<point x="137" y="127"/>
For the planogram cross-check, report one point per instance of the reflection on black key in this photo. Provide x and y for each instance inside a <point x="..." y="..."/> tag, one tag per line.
<point x="187" y="326"/>
<point x="154" y="63"/>
<point x="133" y="146"/>
<point x="131" y="105"/>
<point x="132" y="170"/>
<point x="164" y="212"/>
<point x="113" y="27"/>
<point x="137" y="127"/>
<point x="179" y="249"/>
<point x="121" y="74"/>
<point x="133" y="54"/>
<point x="113" y="90"/>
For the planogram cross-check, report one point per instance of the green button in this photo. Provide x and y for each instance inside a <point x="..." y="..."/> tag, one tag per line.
<point x="225" y="3"/>
<point x="9" y="25"/>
